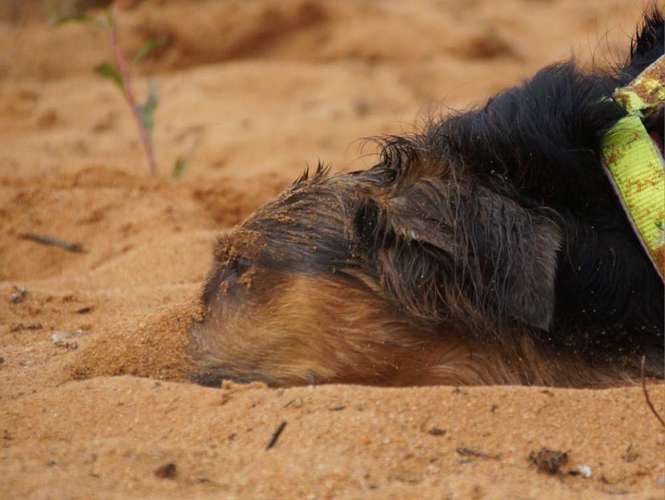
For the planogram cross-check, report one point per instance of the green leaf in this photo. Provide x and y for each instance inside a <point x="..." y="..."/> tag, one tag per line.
<point x="58" y="19"/>
<point x="150" y="45"/>
<point x="111" y="72"/>
<point x="179" y="167"/>
<point x="105" y="19"/>
<point x="147" y="110"/>
<point x="66" y="11"/>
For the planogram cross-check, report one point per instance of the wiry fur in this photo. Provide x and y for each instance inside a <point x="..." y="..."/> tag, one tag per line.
<point x="489" y="248"/>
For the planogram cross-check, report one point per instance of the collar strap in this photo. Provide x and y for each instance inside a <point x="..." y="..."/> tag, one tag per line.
<point x="634" y="164"/>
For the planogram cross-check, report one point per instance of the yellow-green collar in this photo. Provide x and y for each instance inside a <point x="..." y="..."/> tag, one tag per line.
<point x="634" y="163"/>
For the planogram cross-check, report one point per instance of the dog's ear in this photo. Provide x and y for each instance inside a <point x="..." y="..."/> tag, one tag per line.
<point x="445" y="251"/>
<point x="647" y="45"/>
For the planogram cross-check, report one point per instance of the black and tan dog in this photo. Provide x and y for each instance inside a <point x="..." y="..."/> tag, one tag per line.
<point x="488" y="249"/>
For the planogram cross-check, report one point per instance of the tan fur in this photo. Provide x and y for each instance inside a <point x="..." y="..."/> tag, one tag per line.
<point x="294" y="329"/>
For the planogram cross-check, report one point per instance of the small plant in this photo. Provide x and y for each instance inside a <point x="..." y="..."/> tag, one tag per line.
<point x="119" y="71"/>
<point x="179" y="167"/>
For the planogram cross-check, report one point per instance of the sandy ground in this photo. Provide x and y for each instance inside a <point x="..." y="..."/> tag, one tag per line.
<point x="251" y="92"/>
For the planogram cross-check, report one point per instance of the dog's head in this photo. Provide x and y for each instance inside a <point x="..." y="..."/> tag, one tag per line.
<point x="344" y="277"/>
<point x="488" y="224"/>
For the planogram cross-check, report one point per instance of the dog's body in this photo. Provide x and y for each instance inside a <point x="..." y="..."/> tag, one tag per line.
<point x="490" y="248"/>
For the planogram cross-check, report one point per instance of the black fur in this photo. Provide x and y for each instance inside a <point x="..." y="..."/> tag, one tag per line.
<point x="539" y="144"/>
<point x="496" y="217"/>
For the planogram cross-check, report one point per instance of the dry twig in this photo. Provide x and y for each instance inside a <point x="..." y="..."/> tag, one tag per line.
<point x="45" y="239"/>
<point x="646" y="394"/>
<point x="275" y="435"/>
<point x="470" y="453"/>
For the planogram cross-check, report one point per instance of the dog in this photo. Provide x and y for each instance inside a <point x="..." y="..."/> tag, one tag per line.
<point x="488" y="248"/>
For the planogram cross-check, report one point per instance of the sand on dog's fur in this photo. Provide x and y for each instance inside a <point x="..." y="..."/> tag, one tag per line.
<point x="255" y="90"/>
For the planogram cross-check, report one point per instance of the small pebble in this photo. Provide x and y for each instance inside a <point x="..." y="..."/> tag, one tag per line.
<point x="166" y="471"/>
<point x="548" y="461"/>
<point x="585" y="470"/>
<point x="18" y="295"/>
<point x="62" y="335"/>
<point x="63" y="339"/>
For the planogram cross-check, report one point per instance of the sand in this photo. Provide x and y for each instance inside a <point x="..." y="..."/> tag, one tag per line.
<point x="251" y="93"/>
